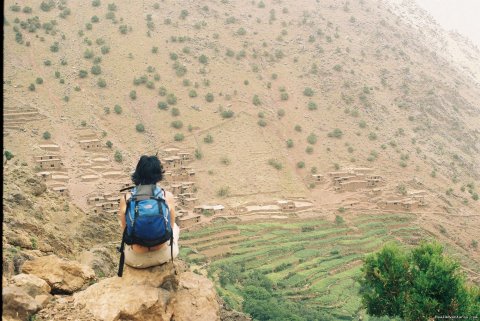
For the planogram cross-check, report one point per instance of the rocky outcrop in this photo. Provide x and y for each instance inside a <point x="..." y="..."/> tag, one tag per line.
<point x="64" y="277"/>
<point x="32" y="284"/>
<point x="100" y="260"/>
<point x="165" y="295"/>
<point x="17" y="304"/>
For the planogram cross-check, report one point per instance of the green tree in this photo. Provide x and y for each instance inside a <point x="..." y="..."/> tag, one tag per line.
<point x="418" y="285"/>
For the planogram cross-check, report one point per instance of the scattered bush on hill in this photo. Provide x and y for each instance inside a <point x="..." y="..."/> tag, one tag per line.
<point x="208" y="139"/>
<point x="178" y="137"/>
<point x="118" y="156"/>
<point x="140" y="128"/>
<point x="224" y="191"/>
<point x="275" y="164"/>
<point x="177" y="124"/>
<point x="228" y="113"/>
<point x="209" y="97"/>
<point x="337" y="133"/>
<point x="312" y="139"/>
<point x="8" y="155"/>
<point x="308" y="92"/>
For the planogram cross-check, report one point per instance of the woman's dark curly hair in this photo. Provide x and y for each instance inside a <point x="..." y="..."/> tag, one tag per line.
<point x="149" y="171"/>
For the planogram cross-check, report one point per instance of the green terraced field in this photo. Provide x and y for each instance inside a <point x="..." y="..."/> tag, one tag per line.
<point x="315" y="262"/>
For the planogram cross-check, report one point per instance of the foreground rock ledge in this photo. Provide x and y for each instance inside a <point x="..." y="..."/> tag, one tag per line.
<point x="64" y="277"/>
<point x="151" y="294"/>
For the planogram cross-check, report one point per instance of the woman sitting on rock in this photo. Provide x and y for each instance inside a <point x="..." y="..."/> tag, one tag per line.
<point x="147" y="218"/>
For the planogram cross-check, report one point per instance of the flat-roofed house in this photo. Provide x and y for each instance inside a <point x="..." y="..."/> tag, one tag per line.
<point x="208" y="208"/>
<point x="286" y="205"/>
<point x="91" y="144"/>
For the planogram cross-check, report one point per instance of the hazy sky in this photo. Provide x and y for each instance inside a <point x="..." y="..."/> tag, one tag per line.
<point x="460" y="15"/>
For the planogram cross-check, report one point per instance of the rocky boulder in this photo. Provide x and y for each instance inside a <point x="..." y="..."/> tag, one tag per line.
<point x="17" y="304"/>
<point x="64" y="277"/>
<point x="195" y="299"/>
<point x="158" y="293"/>
<point x="32" y="284"/>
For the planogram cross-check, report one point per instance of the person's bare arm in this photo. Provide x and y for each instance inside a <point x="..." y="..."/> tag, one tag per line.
<point x="171" y="205"/>
<point x="122" y="208"/>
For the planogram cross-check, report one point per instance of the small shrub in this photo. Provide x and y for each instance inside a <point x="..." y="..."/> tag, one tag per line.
<point x="162" y="105"/>
<point x="275" y="164"/>
<point x="223" y="191"/>
<point x="372" y="136"/>
<point x="225" y="161"/>
<point x="122" y="28"/>
<point x="46" y="135"/>
<point x="289" y="143"/>
<point x="227" y="113"/>
<point x="183" y="14"/>
<point x="109" y="144"/>
<point x="31" y="87"/>
<point x="88" y="54"/>
<point x="8" y="155"/>
<point x="338" y="219"/>
<point x="178" y="137"/>
<point x="301" y="164"/>
<point x="208" y="139"/>
<point x="337" y="133"/>
<point x="281" y="113"/>
<point x="117" y="109"/>
<point x="308" y="92"/>
<point x="96" y="70"/>
<point x="298" y="128"/>
<point x="312" y="105"/>
<point x="312" y="139"/>
<point x="256" y="100"/>
<point x="177" y="124"/>
<point x="175" y="112"/>
<point x="262" y="123"/>
<point x="284" y="96"/>
<point x="140" y="128"/>
<point x="192" y="93"/>
<point x="54" y="47"/>
<point x="133" y="95"/>
<point x="203" y="59"/>
<point x="118" y="156"/>
<point x="101" y="83"/>
<point x="171" y="99"/>
<point x="96" y="3"/>
<point x="309" y="150"/>
<point x="162" y="91"/>
<point x="209" y="97"/>
<point x="15" y="8"/>
<point x="198" y="154"/>
<point x="241" y="31"/>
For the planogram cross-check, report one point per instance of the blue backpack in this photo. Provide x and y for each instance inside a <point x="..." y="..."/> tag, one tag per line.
<point x="147" y="220"/>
